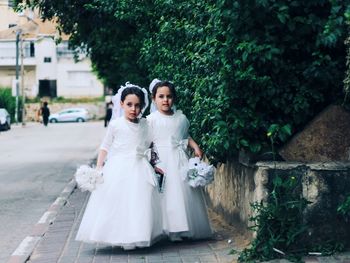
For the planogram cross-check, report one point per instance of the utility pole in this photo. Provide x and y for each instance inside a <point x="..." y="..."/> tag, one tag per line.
<point x="22" y="84"/>
<point x="18" y="35"/>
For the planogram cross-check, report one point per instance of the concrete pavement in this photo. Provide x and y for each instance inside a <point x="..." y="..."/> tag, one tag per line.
<point x="36" y="163"/>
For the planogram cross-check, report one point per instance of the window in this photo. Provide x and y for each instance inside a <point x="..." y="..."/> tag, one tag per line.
<point x="12" y="25"/>
<point x="63" y="50"/>
<point x="47" y="59"/>
<point x="32" y="50"/>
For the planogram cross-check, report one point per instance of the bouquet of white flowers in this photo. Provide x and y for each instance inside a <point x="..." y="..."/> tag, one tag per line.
<point x="87" y="178"/>
<point x="199" y="173"/>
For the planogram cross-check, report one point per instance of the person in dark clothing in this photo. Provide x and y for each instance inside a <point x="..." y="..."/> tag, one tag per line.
<point x="45" y="113"/>
<point x="109" y="110"/>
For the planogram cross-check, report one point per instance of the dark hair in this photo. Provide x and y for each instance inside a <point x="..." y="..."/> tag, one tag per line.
<point x="133" y="91"/>
<point x="45" y="104"/>
<point x="165" y="83"/>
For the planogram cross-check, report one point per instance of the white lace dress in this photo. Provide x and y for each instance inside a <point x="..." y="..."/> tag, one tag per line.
<point x="125" y="210"/>
<point x="184" y="208"/>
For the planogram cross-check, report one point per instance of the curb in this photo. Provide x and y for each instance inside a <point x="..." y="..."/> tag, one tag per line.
<point x="29" y="243"/>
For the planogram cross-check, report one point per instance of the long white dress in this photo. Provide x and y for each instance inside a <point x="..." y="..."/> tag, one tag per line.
<point x="184" y="208"/>
<point x="125" y="210"/>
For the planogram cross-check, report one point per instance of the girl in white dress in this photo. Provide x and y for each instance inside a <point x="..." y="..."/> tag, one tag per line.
<point x="184" y="208"/>
<point x="125" y="209"/>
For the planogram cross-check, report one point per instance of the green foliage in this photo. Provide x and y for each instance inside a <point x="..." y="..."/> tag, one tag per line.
<point x="236" y="74"/>
<point x="279" y="222"/>
<point x="7" y="101"/>
<point x="344" y="208"/>
<point x="111" y="42"/>
<point x="347" y="73"/>
<point x="277" y="132"/>
<point x="77" y="100"/>
<point x="238" y="65"/>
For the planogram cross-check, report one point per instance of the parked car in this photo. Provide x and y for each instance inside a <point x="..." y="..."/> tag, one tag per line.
<point x="70" y="115"/>
<point x="5" y="120"/>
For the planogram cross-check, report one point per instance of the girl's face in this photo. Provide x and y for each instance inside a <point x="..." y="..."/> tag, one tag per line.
<point x="164" y="100"/>
<point x="131" y="106"/>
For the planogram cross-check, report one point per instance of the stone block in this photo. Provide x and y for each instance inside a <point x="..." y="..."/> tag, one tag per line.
<point x="325" y="138"/>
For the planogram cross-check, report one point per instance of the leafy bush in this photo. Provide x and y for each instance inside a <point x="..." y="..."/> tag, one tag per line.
<point x="241" y="65"/>
<point x="238" y="65"/>
<point x="7" y="101"/>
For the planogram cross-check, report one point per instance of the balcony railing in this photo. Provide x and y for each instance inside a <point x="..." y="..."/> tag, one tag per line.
<point x="64" y="52"/>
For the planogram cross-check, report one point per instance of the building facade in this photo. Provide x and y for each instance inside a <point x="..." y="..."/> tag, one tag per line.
<point x="49" y="69"/>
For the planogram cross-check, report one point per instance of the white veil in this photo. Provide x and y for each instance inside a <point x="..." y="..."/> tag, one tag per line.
<point x="151" y="86"/>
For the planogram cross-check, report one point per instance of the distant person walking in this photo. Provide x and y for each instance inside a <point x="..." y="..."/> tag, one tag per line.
<point x="109" y="110"/>
<point x="45" y="113"/>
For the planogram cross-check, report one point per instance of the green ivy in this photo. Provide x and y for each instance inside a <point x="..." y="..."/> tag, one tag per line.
<point x="238" y="65"/>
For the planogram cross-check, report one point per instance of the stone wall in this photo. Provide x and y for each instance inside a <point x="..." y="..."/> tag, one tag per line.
<point x="325" y="185"/>
<point x="232" y="191"/>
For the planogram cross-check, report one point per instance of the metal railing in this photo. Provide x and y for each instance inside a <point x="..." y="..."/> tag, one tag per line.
<point x="64" y="52"/>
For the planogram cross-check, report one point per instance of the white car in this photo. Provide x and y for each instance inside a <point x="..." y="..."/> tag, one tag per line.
<point x="5" y="120"/>
<point x="70" y="115"/>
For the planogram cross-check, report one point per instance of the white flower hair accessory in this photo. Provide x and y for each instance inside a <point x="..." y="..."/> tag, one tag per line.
<point x="199" y="173"/>
<point x="116" y="99"/>
<point x="152" y="84"/>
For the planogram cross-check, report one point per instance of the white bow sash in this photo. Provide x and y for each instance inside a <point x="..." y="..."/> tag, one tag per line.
<point x="145" y="155"/>
<point x="181" y="145"/>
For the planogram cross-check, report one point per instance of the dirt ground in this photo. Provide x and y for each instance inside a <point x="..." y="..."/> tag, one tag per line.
<point x="235" y="234"/>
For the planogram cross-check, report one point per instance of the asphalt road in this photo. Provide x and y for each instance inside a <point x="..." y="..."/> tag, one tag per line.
<point x="36" y="163"/>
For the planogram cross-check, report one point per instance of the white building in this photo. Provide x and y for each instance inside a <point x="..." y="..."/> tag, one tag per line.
<point x="49" y="68"/>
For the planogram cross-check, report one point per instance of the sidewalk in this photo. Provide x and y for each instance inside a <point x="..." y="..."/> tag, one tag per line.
<point x="55" y="242"/>
<point x="58" y="244"/>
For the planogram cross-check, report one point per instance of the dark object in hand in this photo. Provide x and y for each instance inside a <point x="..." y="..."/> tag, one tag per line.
<point x="160" y="178"/>
<point x="154" y="155"/>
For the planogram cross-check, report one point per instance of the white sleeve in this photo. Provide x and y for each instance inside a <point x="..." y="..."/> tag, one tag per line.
<point x="186" y="126"/>
<point x="109" y="137"/>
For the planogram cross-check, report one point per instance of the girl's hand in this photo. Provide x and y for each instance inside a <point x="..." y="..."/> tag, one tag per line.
<point x="198" y="152"/>
<point x="158" y="170"/>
